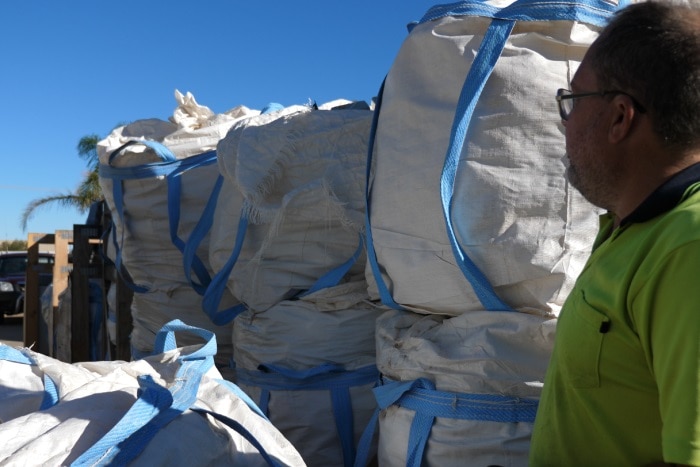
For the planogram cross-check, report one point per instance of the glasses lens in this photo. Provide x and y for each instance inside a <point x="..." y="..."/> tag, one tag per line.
<point x="565" y="105"/>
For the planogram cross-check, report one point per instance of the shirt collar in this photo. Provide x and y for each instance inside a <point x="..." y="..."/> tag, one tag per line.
<point x="665" y="197"/>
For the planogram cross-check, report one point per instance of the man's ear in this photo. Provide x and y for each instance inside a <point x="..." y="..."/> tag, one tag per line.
<point x="622" y="118"/>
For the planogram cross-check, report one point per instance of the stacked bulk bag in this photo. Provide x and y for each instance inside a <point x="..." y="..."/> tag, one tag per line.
<point x="468" y="165"/>
<point x="310" y="366"/>
<point x="474" y="235"/>
<point x="230" y="222"/>
<point x="459" y="390"/>
<point x="158" y="178"/>
<point x="169" y="409"/>
<point x="296" y="178"/>
<point x="287" y="237"/>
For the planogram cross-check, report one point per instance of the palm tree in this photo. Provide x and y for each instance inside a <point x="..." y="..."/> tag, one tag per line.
<point x="86" y="194"/>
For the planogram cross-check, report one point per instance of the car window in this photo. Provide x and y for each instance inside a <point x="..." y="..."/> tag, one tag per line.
<point x="13" y="265"/>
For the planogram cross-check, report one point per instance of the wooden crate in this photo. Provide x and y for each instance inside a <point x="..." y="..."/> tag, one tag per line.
<point x="78" y="259"/>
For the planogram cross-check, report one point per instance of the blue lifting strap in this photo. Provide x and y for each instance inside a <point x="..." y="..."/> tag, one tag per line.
<point x="323" y="377"/>
<point x="156" y="405"/>
<point x="172" y="169"/>
<point x="215" y="291"/>
<point x="428" y="403"/>
<point x="190" y="260"/>
<point x="240" y="429"/>
<point x="118" y="175"/>
<point x="384" y="292"/>
<point x="51" y="395"/>
<point x="194" y="263"/>
<point x="335" y="275"/>
<point x="595" y="12"/>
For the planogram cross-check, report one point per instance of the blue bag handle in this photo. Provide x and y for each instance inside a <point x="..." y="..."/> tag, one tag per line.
<point x="200" y="231"/>
<point x="593" y="12"/>
<point x="189" y="248"/>
<point x="10" y="354"/>
<point x="335" y="275"/>
<point x="160" y="150"/>
<point x="214" y="292"/>
<point x="118" y="175"/>
<point x="480" y="70"/>
<point x="240" y="429"/>
<point x="217" y="286"/>
<point x="213" y="288"/>
<point x="171" y="168"/>
<point x="165" y="340"/>
<point x="193" y="262"/>
<point x="156" y="405"/>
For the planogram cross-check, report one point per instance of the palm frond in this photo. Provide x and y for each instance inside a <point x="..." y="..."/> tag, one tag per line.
<point x="88" y="192"/>
<point x="89" y="189"/>
<point x="87" y="149"/>
<point x="67" y="200"/>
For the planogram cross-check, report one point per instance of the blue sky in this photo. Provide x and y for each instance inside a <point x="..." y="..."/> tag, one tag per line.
<point x="82" y="66"/>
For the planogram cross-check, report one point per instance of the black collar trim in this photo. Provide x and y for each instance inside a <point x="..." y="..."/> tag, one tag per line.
<point x="665" y="197"/>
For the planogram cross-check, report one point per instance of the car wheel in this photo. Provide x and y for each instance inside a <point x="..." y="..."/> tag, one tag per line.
<point x="19" y="305"/>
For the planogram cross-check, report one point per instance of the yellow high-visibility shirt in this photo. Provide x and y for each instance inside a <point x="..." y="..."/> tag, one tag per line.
<point x="623" y="385"/>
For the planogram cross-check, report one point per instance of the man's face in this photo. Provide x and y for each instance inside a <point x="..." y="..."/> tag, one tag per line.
<point x="592" y="169"/>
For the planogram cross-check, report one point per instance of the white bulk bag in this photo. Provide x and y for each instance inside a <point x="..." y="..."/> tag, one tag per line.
<point x="300" y="184"/>
<point x="230" y="223"/>
<point x="169" y="409"/>
<point x="310" y="366"/>
<point x="459" y="390"/>
<point x="158" y="179"/>
<point x="161" y="189"/>
<point x="469" y="207"/>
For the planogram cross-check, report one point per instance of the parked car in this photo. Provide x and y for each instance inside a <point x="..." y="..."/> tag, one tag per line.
<point x="13" y="276"/>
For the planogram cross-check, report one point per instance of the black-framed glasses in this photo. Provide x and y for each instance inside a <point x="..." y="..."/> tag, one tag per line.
<point x="565" y="99"/>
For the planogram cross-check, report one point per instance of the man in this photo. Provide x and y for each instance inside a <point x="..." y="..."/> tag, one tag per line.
<point x="623" y="386"/>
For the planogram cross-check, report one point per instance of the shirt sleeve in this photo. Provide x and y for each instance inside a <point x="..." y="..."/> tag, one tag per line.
<point x="666" y="314"/>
